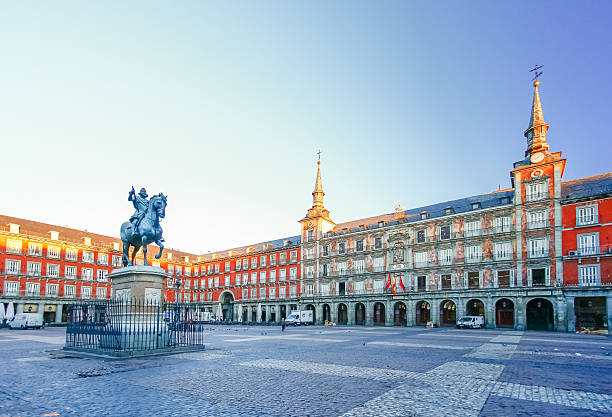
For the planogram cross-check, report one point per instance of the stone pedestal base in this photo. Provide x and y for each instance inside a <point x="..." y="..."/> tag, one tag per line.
<point x="138" y="282"/>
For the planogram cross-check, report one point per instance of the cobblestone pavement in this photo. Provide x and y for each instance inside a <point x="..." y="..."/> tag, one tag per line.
<point x="318" y="371"/>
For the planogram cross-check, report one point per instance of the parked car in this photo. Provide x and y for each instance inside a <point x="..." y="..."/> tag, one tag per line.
<point x="26" y="320"/>
<point x="471" y="322"/>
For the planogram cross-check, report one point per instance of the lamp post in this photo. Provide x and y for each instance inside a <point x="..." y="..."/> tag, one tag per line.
<point x="177" y="286"/>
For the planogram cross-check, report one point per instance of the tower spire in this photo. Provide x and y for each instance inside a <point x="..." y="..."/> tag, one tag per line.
<point x="317" y="194"/>
<point x="536" y="132"/>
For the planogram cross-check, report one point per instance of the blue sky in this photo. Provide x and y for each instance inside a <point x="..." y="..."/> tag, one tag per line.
<point x="222" y="106"/>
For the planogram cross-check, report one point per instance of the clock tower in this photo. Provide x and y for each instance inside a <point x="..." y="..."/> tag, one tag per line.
<point x="537" y="210"/>
<point x="314" y="225"/>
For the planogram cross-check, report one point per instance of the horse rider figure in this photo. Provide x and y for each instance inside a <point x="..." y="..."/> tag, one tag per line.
<point x="141" y="204"/>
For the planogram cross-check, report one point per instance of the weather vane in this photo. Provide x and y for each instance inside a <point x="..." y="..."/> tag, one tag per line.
<point x="536" y="71"/>
<point x="319" y="153"/>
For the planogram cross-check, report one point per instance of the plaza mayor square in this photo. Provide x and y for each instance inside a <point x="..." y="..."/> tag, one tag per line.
<point x="342" y="208"/>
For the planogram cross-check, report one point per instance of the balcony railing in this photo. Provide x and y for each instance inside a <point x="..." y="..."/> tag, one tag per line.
<point x="591" y="251"/>
<point x="538" y="253"/>
<point x="591" y="220"/>
<point x="529" y="197"/>
<point x="538" y="224"/>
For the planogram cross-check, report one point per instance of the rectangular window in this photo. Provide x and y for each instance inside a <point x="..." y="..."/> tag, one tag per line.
<point x="253" y="292"/>
<point x="88" y="257"/>
<point x="538" y="277"/>
<point x="216" y="282"/>
<point x="421" y="283"/>
<point x="34" y="249"/>
<point x="34" y="269"/>
<point x="102" y="275"/>
<point x="227" y="267"/>
<point x="360" y="266"/>
<point x="377" y="242"/>
<point x="293" y="256"/>
<point x="536" y="191"/>
<point x="70" y="291"/>
<point x="326" y="250"/>
<point x="87" y="274"/>
<point x="209" y="296"/>
<point x="245" y="294"/>
<point x="52" y="290"/>
<point x="187" y="271"/>
<point x="272" y="259"/>
<point x="341" y="267"/>
<point x="310" y="237"/>
<point x="473" y="280"/>
<point x="588" y="275"/>
<point x="360" y="287"/>
<point x="473" y="253"/>
<point x="445" y="280"/>
<point x="70" y="271"/>
<point x="292" y="291"/>
<point x="282" y="274"/>
<point x="116" y="261"/>
<point x="282" y="291"/>
<point x="53" y="252"/>
<point x="72" y="254"/>
<point x="502" y="224"/>
<point x="445" y="256"/>
<point x="102" y="259"/>
<point x="538" y="247"/>
<point x="262" y="292"/>
<point x="253" y="262"/>
<point x="101" y="292"/>
<point x="341" y="247"/>
<point x="253" y="277"/>
<point x="171" y="269"/>
<point x="536" y="219"/>
<point x="227" y="280"/>
<point x="360" y="245"/>
<point x="472" y="228"/>
<point x="420" y="259"/>
<point x="85" y="292"/>
<point x="272" y="292"/>
<point x="245" y="264"/>
<point x="502" y="251"/>
<point x="586" y="215"/>
<point x="293" y="273"/>
<point x="445" y="232"/>
<point x="378" y="264"/>
<point x="309" y="271"/>
<point x="273" y="275"/>
<point x="11" y="287"/>
<point x="503" y="279"/>
<point x="33" y="289"/>
<point x="325" y="269"/>
<point x="13" y="246"/>
<point x="588" y="244"/>
<point x="262" y="261"/>
<point x="53" y="270"/>
<point x="217" y="268"/>
<point x="420" y="236"/>
<point x="12" y="266"/>
<point x="196" y="284"/>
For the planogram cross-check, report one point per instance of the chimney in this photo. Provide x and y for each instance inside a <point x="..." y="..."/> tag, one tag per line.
<point x="14" y="228"/>
<point x="54" y="235"/>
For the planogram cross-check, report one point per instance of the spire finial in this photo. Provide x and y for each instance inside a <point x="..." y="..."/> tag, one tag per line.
<point x="536" y="132"/>
<point x="319" y="155"/>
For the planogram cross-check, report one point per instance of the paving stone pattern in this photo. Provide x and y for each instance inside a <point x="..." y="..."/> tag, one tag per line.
<point x="318" y="371"/>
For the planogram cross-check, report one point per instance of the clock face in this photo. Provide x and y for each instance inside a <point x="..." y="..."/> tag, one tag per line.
<point x="537" y="157"/>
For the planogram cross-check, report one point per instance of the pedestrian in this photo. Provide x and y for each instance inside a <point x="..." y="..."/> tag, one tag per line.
<point x="283" y="325"/>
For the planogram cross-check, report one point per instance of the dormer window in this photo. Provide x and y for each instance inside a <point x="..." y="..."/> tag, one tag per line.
<point x="424" y="215"/>
<point x="448" y="210"/>
<point x="504" y="200"/>
<point x="381" y="224"/>
<point x="476" y="206"/>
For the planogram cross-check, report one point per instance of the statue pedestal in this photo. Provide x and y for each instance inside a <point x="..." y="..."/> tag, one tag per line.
<point x="138" y="282"/>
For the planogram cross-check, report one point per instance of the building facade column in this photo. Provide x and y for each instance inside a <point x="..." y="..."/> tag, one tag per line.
<point x="609" y="312"/>
<point x="350" y="313"/>
<point x="389" y="313"/>
<point x="410" y="313"/>
<point x="435" y="312"/>
<point x="520" y="313"/>
<point x="560" y="317"/>
<point x="490" y="314"/>
<point x="333" y="312"/>
<point x="319" y="313"/>
<point x="571" y="315"/>
<point x="369" y="313"/>
<point x="59" y="313"/>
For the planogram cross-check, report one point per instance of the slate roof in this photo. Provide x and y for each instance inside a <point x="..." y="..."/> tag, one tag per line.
<point x="586" y="187"/>
<point x="242" y="250"/>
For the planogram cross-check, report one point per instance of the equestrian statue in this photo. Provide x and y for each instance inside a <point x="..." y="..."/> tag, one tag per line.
<point x="143" y="228"/>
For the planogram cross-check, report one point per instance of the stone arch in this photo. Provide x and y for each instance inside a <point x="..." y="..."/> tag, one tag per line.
<point x="379" y="314"/>
<point x="423" y="312"/>
<point x="327" y="312"/>
<point x="448" y="313"/>
<point x="342" y="314"/>
<point x="504" y="313"/>
<point x="540" y="313"/>
<point x="226" y="298"/>
<point x="475" y="307"/>
<point x="399" y="314"/>
<point x="360" y="314"/>
<point x="314" y="312"/>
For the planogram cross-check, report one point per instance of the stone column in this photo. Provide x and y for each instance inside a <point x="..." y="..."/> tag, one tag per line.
<point x="560" y="317"/>
<point x="58" y="313"/>
<point x="520" y="314"/>
<point x="369" y="313"/>
<point x="278" y="312"/>
<point x="410" y="313"/>
<point x="435" y="312"/>
<point x="389" y="312"/>
<point x="350" y="313"/>
<point x="490" y="314"/>
<point x="571" y="315"/>
<point x="319" y="314"/>
<point x="460" y="308"/>
<point x="333" y="312"/>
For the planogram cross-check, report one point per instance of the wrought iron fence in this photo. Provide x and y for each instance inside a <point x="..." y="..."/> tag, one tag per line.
<point x="116" y="326"/>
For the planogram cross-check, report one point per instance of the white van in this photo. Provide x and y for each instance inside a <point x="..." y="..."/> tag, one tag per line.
<point x="300" y="318"/>
<point x="26" y="320"/>
<point x="471" y="322"/>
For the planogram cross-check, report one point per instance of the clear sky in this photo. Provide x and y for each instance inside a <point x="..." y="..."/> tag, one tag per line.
<point x="222" y="106"/>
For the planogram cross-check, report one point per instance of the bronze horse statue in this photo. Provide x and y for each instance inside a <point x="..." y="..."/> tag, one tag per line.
<point x="147" y="230"/>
